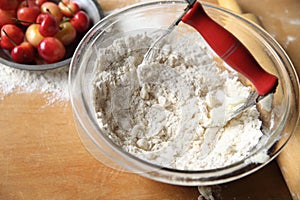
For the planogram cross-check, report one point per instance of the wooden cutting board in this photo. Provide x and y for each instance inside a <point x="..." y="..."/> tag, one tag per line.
<point x="41" y="157"/>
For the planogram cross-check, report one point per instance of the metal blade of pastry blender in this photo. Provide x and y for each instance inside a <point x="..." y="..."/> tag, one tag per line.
<point x="148" y="55"/>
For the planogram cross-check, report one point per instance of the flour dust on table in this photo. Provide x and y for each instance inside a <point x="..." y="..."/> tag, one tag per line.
<point x="51" y="83"/>
<point x="169" y="111"/>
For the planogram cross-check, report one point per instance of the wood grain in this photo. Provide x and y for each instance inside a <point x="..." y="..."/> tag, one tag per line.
<point x="41" y="157"/>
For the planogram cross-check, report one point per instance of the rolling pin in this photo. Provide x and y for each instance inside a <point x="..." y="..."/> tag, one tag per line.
<point x="234" y="6"/>
<point x="289" y="158"/>
<point x="256" y="50"/>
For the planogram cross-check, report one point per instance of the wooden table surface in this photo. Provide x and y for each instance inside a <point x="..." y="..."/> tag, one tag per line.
<point x="41" y="155"/>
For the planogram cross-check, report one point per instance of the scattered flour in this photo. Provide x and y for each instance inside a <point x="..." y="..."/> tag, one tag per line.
<point x="170" y="111"/>
<point x="52" y="83"/>
<point x="205" y="193"/>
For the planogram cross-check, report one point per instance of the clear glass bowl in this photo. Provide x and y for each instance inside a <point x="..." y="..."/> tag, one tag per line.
<point x="159" y="15"/>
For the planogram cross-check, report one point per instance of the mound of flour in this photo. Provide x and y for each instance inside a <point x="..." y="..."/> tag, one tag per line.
<point x="170" y="110"/>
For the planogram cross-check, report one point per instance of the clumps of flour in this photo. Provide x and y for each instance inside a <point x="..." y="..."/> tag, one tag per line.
<point x="52" y="83"/>
<point x="170" y="111"/>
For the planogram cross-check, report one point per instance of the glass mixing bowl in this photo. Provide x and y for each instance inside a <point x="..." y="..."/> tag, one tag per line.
<point x="156" y="16"/>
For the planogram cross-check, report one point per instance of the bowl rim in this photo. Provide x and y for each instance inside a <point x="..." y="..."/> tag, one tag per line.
<point x="43" y="67"/>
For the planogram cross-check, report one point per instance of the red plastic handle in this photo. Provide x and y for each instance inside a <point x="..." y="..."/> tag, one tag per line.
<point x="230" y="49"/>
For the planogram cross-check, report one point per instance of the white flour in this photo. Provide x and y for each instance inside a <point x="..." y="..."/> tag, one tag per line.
<point x="166" y="112"/>
<point x="52" y="83"/>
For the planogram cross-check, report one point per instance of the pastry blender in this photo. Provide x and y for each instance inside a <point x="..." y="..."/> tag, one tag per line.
<point x="230" y="50"/>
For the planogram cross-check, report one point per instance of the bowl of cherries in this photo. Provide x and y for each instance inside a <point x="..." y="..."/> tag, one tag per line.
<point x="43" y="34"/>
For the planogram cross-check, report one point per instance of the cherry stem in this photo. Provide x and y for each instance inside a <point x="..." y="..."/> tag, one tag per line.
<point x="23" y="21"/>
<point x="9" y="38"/>
<point x="48" y="11"/>
<point x="65" y="20"/>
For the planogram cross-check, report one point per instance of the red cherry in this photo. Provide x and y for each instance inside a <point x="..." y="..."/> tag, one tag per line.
<point x="48" y="24"/>
<point x="66" y="33"/>
<point x="26" y="3"/>
<point x="81" y="21"/>
<point x="8" y="4"/>
<point x="39" y="2"/>
<point x="68" y="8"/>
<point x="23" y="53"/>
<point x="11" y="35"/>
<point x="27" y="15"/>
<point x="32" y="35"/>
<point x="53" y="9"/>
<point x="6" y="17"/>
<point x="51" y="50"/>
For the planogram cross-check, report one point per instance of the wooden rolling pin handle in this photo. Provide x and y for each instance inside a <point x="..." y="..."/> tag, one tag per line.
<point x="230" y="49"/>
<point x="230" y="5"/>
